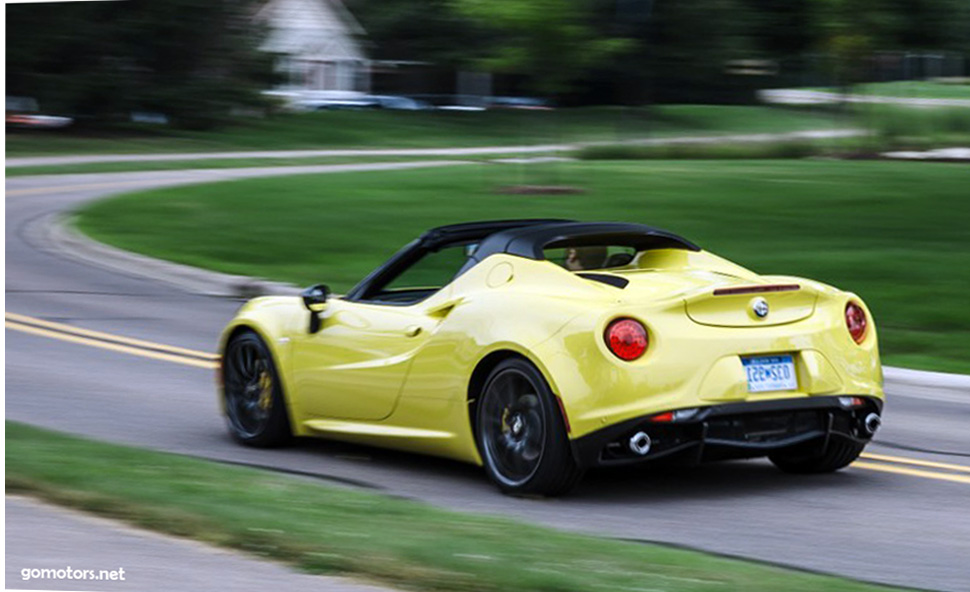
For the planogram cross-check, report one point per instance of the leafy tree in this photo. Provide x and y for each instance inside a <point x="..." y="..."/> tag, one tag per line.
<point x="553" y="43"/>
<point x="845" y="34"/>
<point x="629" y="51"/>
<point x="688" y="45"/>
<point x="192" y="60"/>
<point x="427" y="31"/>
<point x="928" y="24"/>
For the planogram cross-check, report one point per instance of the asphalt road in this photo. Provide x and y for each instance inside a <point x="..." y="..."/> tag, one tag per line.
<point x="889" y="520"/>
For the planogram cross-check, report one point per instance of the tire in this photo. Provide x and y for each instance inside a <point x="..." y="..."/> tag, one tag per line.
<point x="252" y="394"/>
<point x="521" y="435"/>
<point x="837" y="455"/>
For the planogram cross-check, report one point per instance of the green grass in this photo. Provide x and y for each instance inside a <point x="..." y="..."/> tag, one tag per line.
<point x="899" y="127"/>
<point x="323" y="529"/>
<point x="360" y="129"/>
<point x="912" y="89"/>
<point x="897" y="233"/>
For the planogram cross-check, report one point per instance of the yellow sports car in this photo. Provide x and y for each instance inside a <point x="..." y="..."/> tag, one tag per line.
<point x="539" y="348"/>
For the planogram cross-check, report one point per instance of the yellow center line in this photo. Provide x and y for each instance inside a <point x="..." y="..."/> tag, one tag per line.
<point x="111" y="346"/>
<point x="915" y="461"/>
<point x="24" y="319"/>
<point x="911" y="472"/>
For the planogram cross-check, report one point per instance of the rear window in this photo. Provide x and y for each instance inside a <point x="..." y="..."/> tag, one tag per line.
<point x="590" y="257"/>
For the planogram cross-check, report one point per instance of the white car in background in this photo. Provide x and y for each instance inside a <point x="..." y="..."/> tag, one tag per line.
<point x="23" y="112"/>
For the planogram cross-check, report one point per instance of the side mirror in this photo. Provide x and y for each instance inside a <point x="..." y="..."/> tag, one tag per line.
<point x="315" y="298"/>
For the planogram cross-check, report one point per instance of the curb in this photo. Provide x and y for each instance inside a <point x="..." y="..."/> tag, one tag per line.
<point x="925" y="378"/>
<point x="58" y="234"/>
<point x="62" y="237"/>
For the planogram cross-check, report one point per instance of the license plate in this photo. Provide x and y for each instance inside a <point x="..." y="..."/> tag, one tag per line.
<point x="770" y="373"/>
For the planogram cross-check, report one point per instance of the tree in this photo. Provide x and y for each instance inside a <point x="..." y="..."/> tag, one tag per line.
<point x="552" y="42"/>
<point x="427" y="31"/>
<point x="687" y="46"/>
<point x="847" y="32"/>
<point x="192" y="60"/>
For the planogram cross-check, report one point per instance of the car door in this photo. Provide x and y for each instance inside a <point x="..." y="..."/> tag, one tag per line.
<point x="354" y="367"/>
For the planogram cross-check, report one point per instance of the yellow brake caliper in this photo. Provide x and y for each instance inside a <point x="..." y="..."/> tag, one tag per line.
<point x="265" y="391"/>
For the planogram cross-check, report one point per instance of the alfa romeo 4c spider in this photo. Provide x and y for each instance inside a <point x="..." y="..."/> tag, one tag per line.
<point x="541" y="348"/>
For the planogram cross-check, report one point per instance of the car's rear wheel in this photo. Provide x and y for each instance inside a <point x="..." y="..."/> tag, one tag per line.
<point x="837" y="455"/>
<point x="255" y="409"/>
<point x="521" y="434"/>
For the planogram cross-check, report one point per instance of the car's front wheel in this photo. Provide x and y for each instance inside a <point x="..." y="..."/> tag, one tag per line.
<point x="521" y="434"/>
<point x="253" y="396"/>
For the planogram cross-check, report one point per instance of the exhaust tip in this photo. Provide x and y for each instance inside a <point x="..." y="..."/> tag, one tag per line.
<point x="872" y="423"/>
<point x="640" y="443"/>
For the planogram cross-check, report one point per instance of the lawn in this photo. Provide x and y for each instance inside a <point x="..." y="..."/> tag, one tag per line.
<point x="326" y="529"/>
<point x="916" y="89"/>
<point x="382" y="129"/>
<point x="897" y="233"/>
<point x="908" y="89"/>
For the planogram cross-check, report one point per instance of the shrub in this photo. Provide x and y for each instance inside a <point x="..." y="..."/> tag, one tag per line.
<point x="712" y="150"/>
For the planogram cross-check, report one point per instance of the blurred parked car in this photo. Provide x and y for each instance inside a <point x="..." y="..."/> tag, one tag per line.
<point x="23" y="112"/>
<point x="460" y="102"/>
<point x="391" y="102"/>
<point x="449" y="102"/>
<point x="149" y="117"/>
<point x="519" y="103"/>
<point x="401" y="103"/>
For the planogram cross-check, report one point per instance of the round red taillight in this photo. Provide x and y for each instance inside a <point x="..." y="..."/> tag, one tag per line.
<point x="856" y="321"/>
<point x="626" y="338"/>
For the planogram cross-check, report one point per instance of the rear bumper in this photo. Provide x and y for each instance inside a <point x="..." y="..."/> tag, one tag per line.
<point x="731" y="430"/>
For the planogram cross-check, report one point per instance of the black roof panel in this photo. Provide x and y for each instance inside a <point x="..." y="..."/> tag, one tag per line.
<point x="479" y="230"/>
<point x="530" y="240"/>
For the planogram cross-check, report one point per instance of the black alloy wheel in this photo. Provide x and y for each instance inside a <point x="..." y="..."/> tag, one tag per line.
<point x="254" y="403"/>
<point x="521" y="435"/>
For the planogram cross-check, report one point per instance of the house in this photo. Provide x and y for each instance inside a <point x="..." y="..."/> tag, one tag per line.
<point x="320" y="47"/>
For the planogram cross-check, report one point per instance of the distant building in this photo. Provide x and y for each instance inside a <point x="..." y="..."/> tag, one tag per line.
<point x="320" y="44"/>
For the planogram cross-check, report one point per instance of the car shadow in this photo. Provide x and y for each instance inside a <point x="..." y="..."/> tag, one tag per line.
<point x="631" y="483"/>
<point x="717" y="480"/>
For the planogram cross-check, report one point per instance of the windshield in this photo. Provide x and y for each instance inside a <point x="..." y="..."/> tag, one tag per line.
<point x="590" y="257"/>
